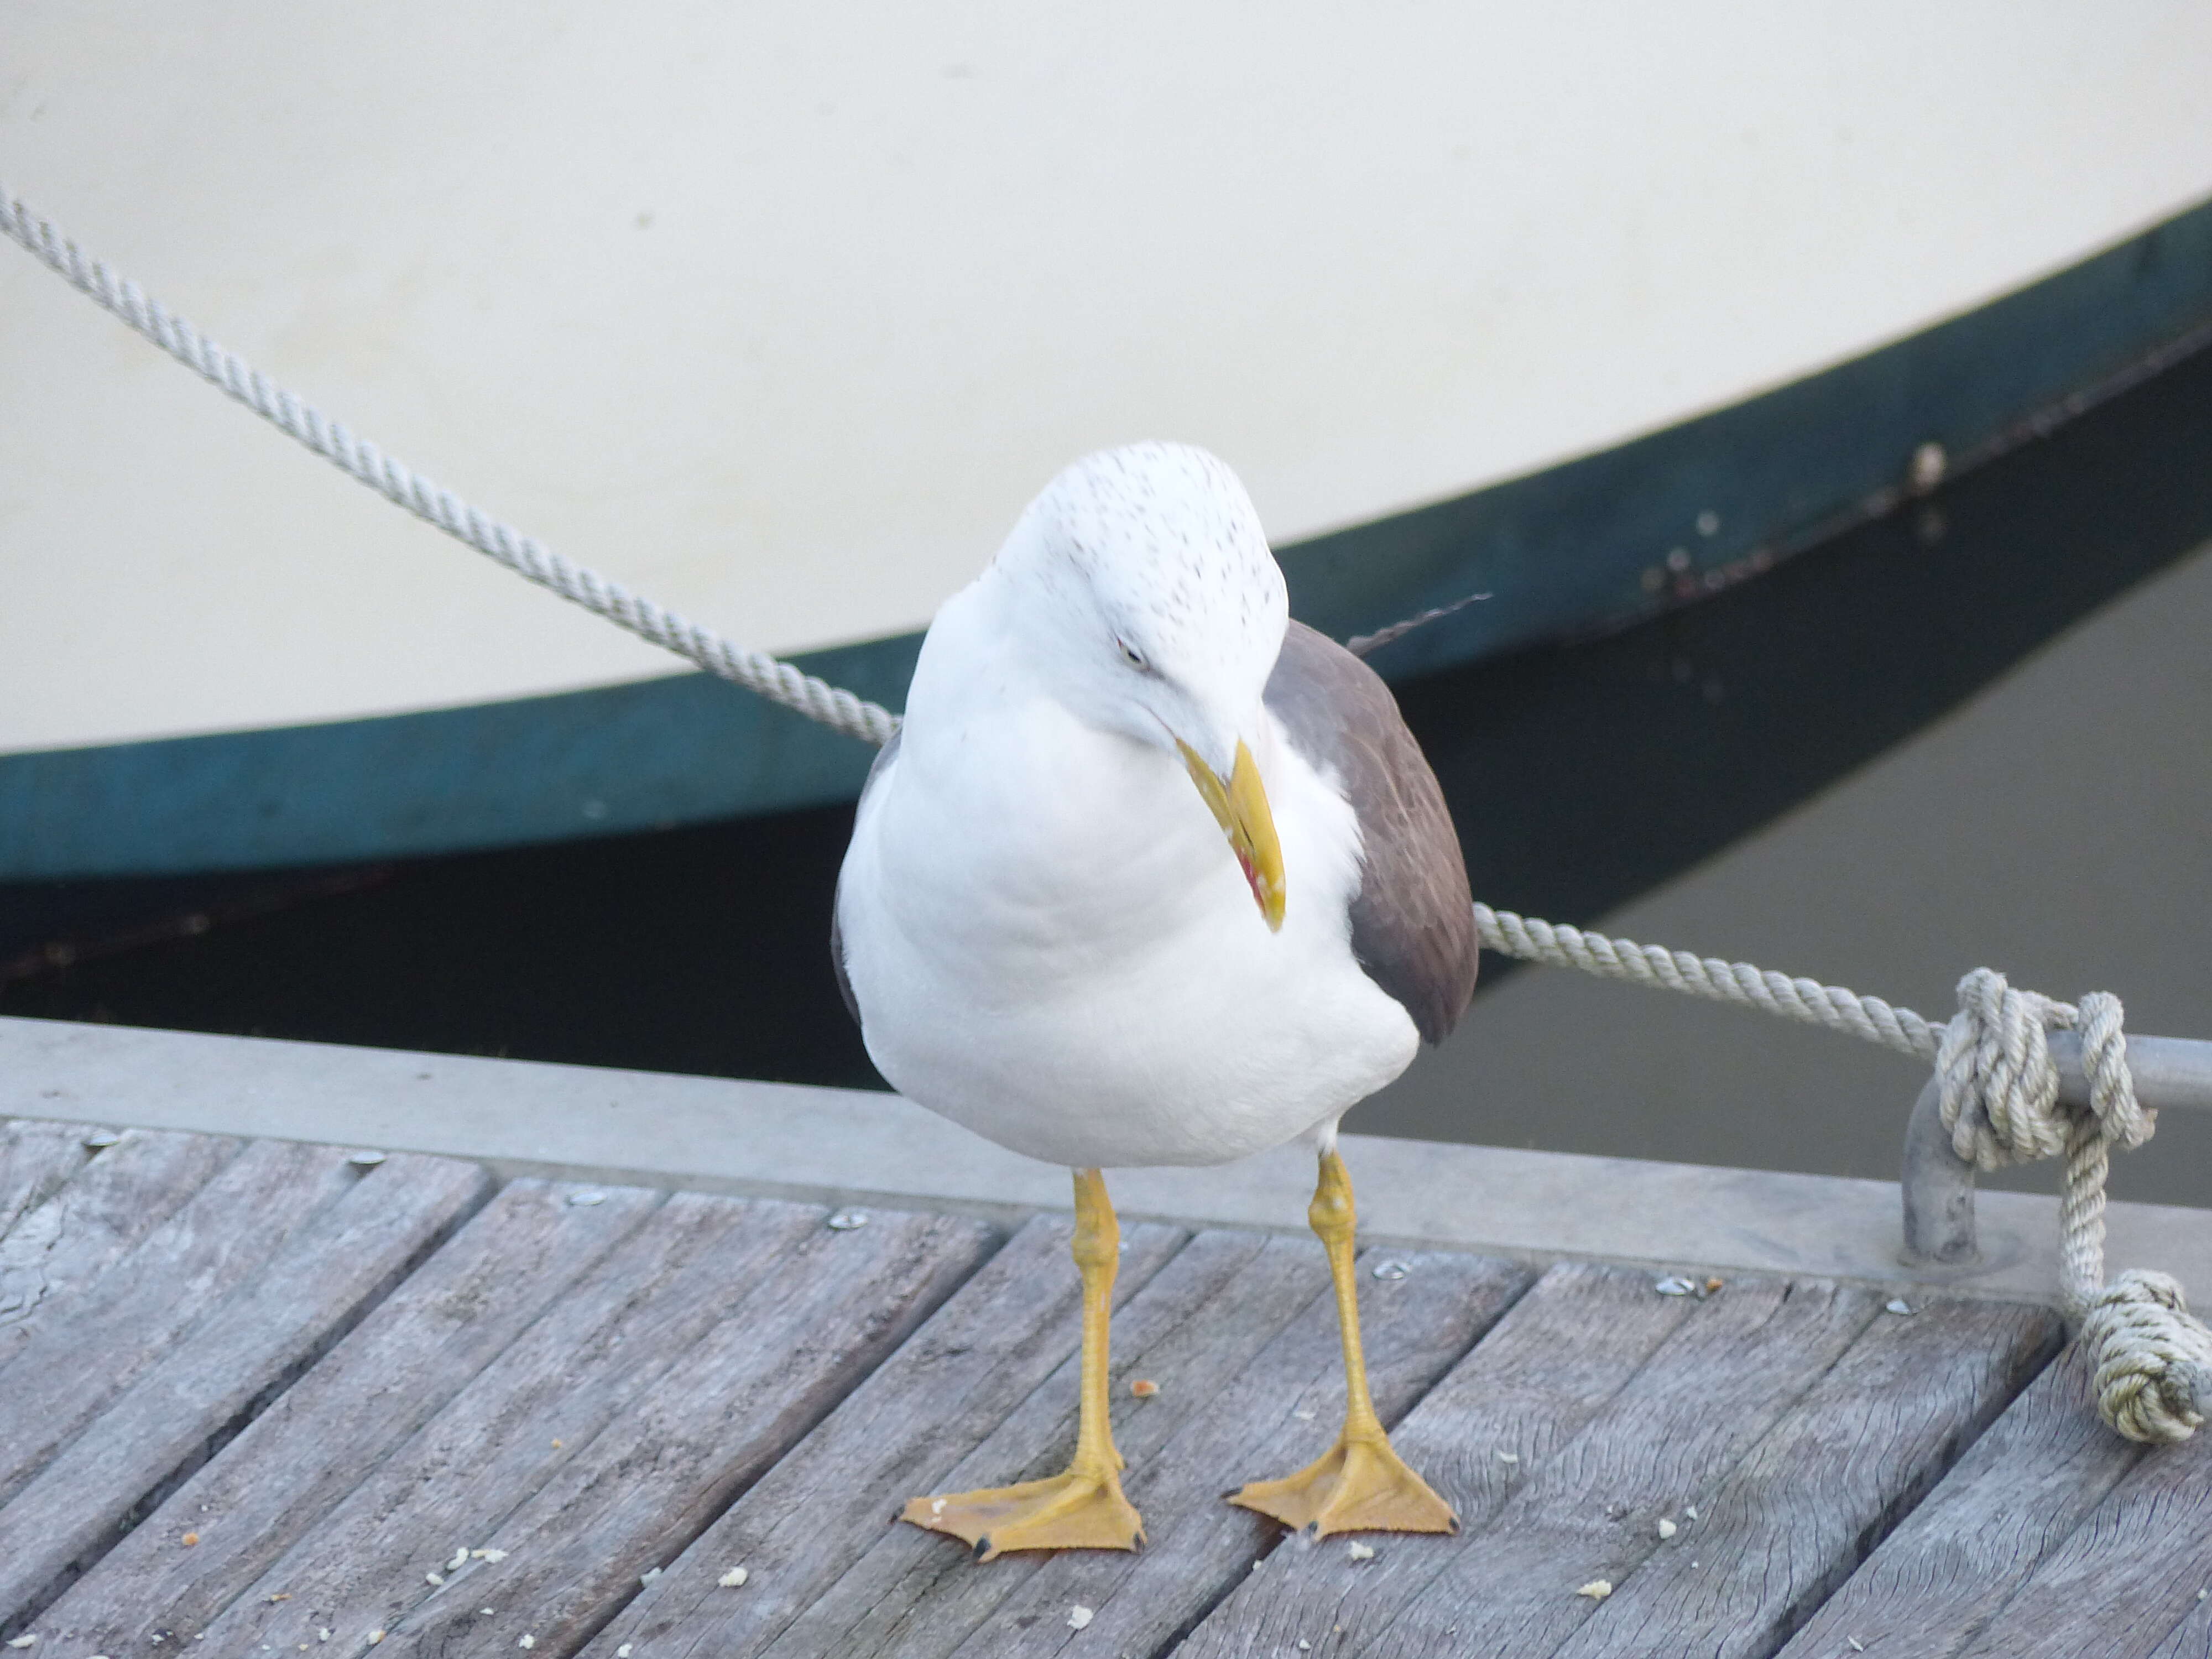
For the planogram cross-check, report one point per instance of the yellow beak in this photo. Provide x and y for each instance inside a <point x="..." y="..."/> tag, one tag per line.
<point x="1240" y="807"/>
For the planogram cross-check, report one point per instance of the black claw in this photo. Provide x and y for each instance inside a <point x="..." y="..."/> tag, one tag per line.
<point x="983" y="1546"/>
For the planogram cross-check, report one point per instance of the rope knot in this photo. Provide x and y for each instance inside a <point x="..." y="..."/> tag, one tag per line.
<point x="2153" y="1360"/>
<point x="2000" y="1085"/>
<point x="1999" y="1098"/>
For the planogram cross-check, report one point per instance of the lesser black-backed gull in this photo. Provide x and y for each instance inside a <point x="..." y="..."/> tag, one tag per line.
<point x="1044" y="939"/>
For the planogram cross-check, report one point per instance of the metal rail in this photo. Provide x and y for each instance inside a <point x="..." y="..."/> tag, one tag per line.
<point x="1939" y="1184"/>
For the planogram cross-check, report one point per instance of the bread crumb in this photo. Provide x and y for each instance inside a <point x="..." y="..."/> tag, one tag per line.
<point x="191" y="1537"/>
<point x="1143" y="1387"/>
<point x="1361" y="1552"/>
<point x="23" y="1641"/>
<point x="1667" y="1528"/>
<point x="438" y="1578"/>
<point x="375" y="1636"/>
<point x="526" y="1641"/>
<point x="1597" y="1589"/>
<point x="623" y="1652"/>
<point x="1077" y="1617"/>
<point x="733" y="1578"/>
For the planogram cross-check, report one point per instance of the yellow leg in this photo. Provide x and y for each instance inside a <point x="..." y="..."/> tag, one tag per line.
<point x="1081" y="1508"/>
<point x="1361" y="1484"/>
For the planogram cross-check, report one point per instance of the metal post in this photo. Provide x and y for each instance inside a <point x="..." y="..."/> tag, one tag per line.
<point x="1939" y="1185"/>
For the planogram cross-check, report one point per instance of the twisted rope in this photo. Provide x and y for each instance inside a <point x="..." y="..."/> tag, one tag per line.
<point x="2152" y="1360"/>
<point x="2000" y="1085"/>
<point x="756" y="671"/>
<point x="2000" y="1101"/>
<point x="1739" y="983"/>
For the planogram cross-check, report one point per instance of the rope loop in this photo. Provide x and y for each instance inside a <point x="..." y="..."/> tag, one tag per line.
<point x="2000" y="1085"/>
<point x="2154" y="1361"/>
<point x="2126" y="1122"/>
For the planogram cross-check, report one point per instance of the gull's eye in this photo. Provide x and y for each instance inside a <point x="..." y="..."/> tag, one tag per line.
<point x="1131" y="656"/>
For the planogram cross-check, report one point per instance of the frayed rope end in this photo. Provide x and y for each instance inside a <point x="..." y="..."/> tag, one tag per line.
<point x="2153" y="1358"/>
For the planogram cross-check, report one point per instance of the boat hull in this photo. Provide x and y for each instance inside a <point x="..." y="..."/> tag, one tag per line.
<point x="1593" y="543"/>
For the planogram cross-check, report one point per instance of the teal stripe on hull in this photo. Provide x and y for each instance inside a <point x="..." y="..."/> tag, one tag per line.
<point x="1574" y="548"/>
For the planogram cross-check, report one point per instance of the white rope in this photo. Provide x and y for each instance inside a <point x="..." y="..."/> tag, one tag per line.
<point x="2152" y="1360"/>
<point x="1832" y="1006"/>
<point x="2000" y="1086"/>
<point x="756" y="671"/>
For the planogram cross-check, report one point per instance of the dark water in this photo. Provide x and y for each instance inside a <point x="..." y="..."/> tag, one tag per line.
<point x="1585" y="777"/>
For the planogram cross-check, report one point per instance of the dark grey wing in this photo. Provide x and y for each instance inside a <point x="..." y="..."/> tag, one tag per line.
<point x="1412" y="924"/>
<point x="837" y="934"/>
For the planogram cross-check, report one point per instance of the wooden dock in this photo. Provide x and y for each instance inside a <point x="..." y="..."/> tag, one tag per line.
<point x="282" y="1398"/>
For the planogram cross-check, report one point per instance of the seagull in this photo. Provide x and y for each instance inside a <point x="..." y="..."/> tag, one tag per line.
<point x="1152" y="875"/>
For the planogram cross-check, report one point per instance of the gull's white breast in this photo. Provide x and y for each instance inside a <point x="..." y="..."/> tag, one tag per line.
<point x="1050" y="942"/>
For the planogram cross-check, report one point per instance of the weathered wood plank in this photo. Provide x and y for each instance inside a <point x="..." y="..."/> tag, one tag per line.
<point x="1587" y="1512"/>
<point x="507" y="1433"/>
<point x="289" y="1467"/>
<point x="1243" y="1423"/>
<point x="1529" y="1386"/>
<point x="87" y="1353"/>
<point x="112" y="1199"/>
<point x="2120" y="1582"/>
<point x="1006" y="1332"/>
<point x="2192" y="1637"/>
<point x="1934" y="1583"/>
<point x="1790" y="1522"/>
<point x="35" y="1160"/>
<point x="1665" y="1441"/>
<point x="833" y="1309"/>
<point x="330" y="1271"/>
<point x="890" y="1601"/>
<point x="605" y="1353"/>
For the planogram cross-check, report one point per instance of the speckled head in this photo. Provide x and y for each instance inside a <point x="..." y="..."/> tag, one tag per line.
<point x="1145" y="576"/>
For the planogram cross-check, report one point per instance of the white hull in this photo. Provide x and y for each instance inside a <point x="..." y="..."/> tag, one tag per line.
<point x="780" y="318"/>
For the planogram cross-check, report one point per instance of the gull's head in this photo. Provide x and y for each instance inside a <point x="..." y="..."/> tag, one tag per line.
<point x="1145" y="598"/>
